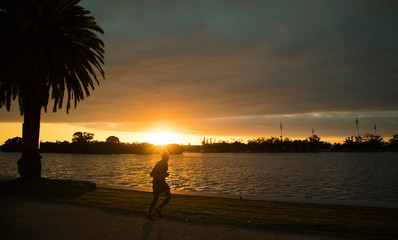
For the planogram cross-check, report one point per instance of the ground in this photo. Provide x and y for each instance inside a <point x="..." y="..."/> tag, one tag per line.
<point x="27" y="218"/>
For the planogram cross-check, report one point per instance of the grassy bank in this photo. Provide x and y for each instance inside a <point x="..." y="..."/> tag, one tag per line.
<point x="364" y="222"/>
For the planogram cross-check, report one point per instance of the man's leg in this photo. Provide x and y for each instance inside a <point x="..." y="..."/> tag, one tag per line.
<point x="166" y="200"/>
<point x="153" y="204"/>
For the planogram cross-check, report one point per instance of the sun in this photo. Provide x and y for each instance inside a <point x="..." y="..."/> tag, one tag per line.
<point x="162" y="138"/>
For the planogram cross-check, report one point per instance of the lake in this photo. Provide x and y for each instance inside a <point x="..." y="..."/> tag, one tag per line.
<point x="356" y="178"/>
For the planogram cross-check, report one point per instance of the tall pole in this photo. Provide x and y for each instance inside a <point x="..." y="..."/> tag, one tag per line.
<point x="313" y="132"/>
<point x="357" y="123"/>
<point x="281" y="130"/>
<point x="375" y="130"/>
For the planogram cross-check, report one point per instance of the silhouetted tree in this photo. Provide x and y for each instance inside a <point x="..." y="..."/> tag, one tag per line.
<point x="394" y="139"/>
<point x="46" y="45"/>
<point x="394" y="142"/>
<point x="367" y="142"/>
<point x="112" y="139"/>
<point x="82" y="137"/>
<point x="12" y="145"/>
<point x="314" y="139"/>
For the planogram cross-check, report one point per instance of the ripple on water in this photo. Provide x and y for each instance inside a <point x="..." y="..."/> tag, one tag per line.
<point x="338" y="176"/>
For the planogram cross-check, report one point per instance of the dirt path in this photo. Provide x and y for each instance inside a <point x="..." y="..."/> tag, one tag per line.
<point x="25" y="218"/>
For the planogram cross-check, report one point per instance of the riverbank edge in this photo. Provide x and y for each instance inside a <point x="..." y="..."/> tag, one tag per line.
<point x="346" y="221"/>
<point x="355" y="203"/>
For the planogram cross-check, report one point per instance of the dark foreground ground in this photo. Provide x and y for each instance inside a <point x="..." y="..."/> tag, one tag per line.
<point x="67" y="209"/>
<point x="28" y="218"/>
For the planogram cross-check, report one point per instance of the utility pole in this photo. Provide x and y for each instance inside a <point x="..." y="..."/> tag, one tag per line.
<point x="357" y="123"/>
<point x="375" y="130"/>
<point x="281" y="130"/>
<point x="313" y="132"/>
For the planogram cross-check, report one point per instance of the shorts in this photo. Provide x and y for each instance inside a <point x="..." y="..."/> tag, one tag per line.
<point x="160" y="185"/>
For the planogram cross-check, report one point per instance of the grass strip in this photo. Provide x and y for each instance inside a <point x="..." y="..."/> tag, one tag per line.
<point x="349" y="221"/>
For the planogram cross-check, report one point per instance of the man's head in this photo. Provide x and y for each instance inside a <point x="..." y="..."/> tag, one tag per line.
<point x="165" y="155"/>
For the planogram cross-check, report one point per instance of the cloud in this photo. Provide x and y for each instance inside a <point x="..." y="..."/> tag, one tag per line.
<point x="191" y="61"/>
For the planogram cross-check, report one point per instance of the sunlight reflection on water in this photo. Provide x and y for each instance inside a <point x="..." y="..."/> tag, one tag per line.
<point x="369" y="177"/>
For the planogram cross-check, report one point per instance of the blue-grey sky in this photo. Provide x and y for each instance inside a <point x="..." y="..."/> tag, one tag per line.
<point x="239" y="68"/>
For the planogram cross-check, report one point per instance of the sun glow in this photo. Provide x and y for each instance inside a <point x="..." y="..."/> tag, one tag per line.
<point x="162" y="138"/>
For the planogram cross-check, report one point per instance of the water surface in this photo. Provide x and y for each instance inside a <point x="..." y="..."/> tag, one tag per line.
<point x="365" y="177"/>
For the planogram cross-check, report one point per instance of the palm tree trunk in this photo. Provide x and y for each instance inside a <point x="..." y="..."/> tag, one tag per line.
<point x="29" y="165"/>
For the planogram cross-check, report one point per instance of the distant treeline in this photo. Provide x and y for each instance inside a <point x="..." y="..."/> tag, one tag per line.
<point x="365" y="143"/>
<point x="272" y="144"/>
<point x="83" y="142"/>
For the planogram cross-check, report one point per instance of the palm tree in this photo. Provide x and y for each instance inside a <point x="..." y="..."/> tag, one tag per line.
<point x="46" y="46"/>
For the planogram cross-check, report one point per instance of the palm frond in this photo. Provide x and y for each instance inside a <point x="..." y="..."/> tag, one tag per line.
<point x="50" y="47"/>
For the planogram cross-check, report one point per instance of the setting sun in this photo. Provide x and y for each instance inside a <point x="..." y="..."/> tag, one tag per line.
<point x="162" y="138"/>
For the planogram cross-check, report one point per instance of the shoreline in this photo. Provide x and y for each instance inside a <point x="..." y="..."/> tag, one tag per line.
<point x="353" y="203"/>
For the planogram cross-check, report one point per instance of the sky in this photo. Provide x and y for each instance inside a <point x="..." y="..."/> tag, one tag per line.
<point x="236" y="70"/>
